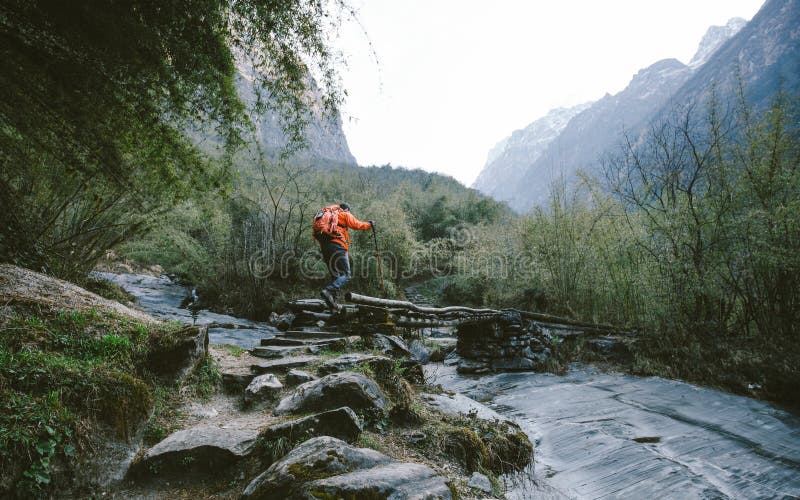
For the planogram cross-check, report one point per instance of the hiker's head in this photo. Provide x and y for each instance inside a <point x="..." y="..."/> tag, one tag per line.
<point x="344" y="206"/>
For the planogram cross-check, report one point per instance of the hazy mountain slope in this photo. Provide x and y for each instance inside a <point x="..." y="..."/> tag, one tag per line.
<point x="523" y="179"/>
<point x="324" y="134"/>
<point x="507" y="161"/>
<point x="325" y="139"/>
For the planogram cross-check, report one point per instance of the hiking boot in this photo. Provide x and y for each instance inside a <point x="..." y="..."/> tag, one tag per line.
<point x="329" y="299"/>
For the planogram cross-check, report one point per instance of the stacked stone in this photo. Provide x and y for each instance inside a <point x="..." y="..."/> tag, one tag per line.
<point x="508" y="344"/>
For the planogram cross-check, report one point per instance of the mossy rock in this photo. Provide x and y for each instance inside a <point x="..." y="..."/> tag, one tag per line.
<point x="172" y="355"/>
<point x="464" y="445"/>
<point x="508" y="452"/>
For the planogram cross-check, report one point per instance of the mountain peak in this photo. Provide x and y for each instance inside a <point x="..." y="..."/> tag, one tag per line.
<point x="714" y="38"/>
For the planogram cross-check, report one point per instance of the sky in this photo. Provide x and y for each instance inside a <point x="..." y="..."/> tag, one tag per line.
<point x="435" y="84"/>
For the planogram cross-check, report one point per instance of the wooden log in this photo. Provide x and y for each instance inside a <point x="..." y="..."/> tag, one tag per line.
<point x="558" y="320"/>
<point x="318" y="315"/>
<point x="316" y="305"/>
<point x="585" y="330"/>
<point x="410" y="306"/>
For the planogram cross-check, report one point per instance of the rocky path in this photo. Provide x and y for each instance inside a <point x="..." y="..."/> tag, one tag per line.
<point x="288" y="419"/>
<point x="284" y="427"/>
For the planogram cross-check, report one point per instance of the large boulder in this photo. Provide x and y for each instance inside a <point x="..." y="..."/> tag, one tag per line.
<point x="172" y="356"/>
<point x="297" y="377"/>
<point x="419" y="351"/>
<point x="262" y="389"/>
<point x="326" y="467"/>
<point x="199" y="448"/>
<point x="341" y="423"/>
<point x="282" y="321"/>
<point x="333" y="391"/>
<point x="318" y="457"/>
<point x="236" y="379"/>
<point x="391" y="345"/>
<point x="379" y="364"/>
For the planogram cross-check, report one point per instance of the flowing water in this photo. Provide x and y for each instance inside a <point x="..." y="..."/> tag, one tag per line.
<point x="161" y="297"/>
<point x="598" y="435"/>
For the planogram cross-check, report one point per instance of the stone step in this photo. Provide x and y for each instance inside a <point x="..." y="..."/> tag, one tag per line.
<point x="236" y="380"/>
<point x="284" y="342"/>
<point x="311" y="334"/>
<point x="282" y="365"/>
<point x="275" y="352"/>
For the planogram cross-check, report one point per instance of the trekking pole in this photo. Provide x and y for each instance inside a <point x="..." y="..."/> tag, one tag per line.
<point x="380" y="262"/>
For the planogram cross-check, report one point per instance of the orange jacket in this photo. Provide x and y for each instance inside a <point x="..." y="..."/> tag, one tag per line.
<point x="347" y="220"/>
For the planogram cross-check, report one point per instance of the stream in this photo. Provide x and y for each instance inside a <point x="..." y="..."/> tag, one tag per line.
<point x="161" y="298"/>
<point x="597" y="435"/>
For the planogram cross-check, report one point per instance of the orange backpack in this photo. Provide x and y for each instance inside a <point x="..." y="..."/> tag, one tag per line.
<point x="326" y="224"/>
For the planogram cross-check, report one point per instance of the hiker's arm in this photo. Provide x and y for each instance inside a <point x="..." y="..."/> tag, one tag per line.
<point x="351" y="222"/>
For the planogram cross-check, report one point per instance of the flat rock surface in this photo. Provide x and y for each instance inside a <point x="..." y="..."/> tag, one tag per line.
<point x="618" y="436"/>
<point x="457" y="404"/>
<point x="392" y="480"/>
<point x="349" y="361"/>
<point x="282" y="365"/>
<point x="274" y="352"/>
<point x="297" y="377"/>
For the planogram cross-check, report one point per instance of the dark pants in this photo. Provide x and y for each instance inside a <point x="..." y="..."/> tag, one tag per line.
<point x="338" y="265"/>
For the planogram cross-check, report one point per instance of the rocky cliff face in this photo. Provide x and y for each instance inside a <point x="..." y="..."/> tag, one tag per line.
<point x="522" y="172"/>
<point x="324" y="135"/>
<point x="508" y="160"/>
<point x="714" y="38"/>
<point x="764" y="55"/>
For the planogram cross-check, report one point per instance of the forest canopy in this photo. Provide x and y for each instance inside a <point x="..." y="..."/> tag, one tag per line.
<point x="97" y="98"/>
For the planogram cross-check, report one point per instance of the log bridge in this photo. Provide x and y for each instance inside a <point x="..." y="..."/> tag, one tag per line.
<point x="487" y="339"/>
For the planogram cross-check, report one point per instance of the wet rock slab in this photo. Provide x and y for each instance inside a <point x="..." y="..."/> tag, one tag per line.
<point x="332" y="391"/>
<point x="619" y="436"/>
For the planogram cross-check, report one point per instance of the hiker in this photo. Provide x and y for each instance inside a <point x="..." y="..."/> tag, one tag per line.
<point x="330" y="230"/>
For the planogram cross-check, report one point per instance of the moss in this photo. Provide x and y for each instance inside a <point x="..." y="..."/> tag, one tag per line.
<point x="453" y="490"/>
<point x="125" y="402"/>
<point x="507" y="451"/>
<point x="205" y="380"/>
<point x="466" y="446"/>
<point x="107" y="289"/>
<point x="62" y="371"/>
<point x="303" y="473"/>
